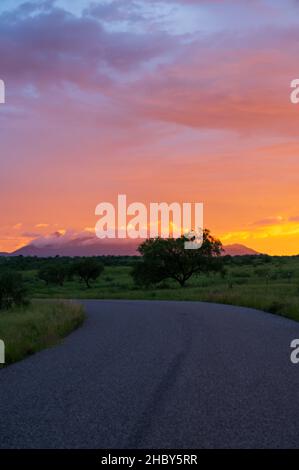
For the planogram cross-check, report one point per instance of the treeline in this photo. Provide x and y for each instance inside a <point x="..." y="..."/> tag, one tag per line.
<point x="58" y="271"/>
<point x="29" y="263"/>
<point x="55" y="271"/>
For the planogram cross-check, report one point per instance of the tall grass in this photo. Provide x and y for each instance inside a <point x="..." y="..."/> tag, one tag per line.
<point x="26" y="330"/>
<point x="286" y="307"/>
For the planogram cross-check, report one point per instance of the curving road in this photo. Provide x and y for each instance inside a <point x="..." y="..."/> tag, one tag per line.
<point x="149" y="374"/>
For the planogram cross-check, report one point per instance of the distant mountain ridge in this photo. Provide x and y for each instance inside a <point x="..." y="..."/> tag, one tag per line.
<point x="237" y="249"/>
<point x="97" y="248"/>
<point x="105" y="247"/>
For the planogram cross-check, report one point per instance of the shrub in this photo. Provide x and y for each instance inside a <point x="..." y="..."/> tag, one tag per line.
<point x="240" y="281"/>
<point x="88" y="270"/>
<point x="12" y="290"/>
<point x="276" y="307"/>
<point x="240" y="273"/>
<point x="53" y="274"/>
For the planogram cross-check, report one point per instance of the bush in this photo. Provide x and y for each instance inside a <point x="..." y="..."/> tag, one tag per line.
<point x="12" y="290"/>
<point x="163" y="285"/>
<point x="286" y="274"/>
<point x="261" y="272"/>
<point x="240" y="281"/>
<point x="240" y="274"/>
<point x="53" y="274"/>
<point x="88" y="270"/>
<point x="276" y="307"/>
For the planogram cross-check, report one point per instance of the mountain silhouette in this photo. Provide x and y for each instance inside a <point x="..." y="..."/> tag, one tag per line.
<point x="97" y="247"/>
<point x="237" y="249"/>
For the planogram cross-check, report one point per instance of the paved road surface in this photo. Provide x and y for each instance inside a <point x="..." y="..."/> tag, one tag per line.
<point x="157" y="375"/>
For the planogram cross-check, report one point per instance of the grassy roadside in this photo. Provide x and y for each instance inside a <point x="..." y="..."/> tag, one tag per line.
<point x="272" y="287"/>
<point x="42" y="324"/>
<point x="284" y="306"/>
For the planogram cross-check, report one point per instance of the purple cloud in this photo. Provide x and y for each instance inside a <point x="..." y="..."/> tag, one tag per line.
<point x="50" y="46"/>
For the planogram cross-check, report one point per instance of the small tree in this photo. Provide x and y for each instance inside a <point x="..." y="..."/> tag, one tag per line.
<point x="88" y="270"/>
<point x="54" y="273"/>
<point x="168" y="259"/>
<point x="12" y="290"/>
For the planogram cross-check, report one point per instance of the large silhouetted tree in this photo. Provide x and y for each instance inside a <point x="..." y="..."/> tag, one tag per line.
<point x="168" y="259"/>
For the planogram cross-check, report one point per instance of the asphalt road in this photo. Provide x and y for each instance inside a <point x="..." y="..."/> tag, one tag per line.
<point x="155" y="374"/>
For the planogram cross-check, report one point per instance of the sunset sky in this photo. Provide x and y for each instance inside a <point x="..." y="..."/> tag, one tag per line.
<point x="162" y="100"/>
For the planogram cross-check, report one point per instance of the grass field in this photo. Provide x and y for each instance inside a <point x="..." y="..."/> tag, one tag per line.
<point x="272" y="286"/>
<point x="26" y="330"/>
